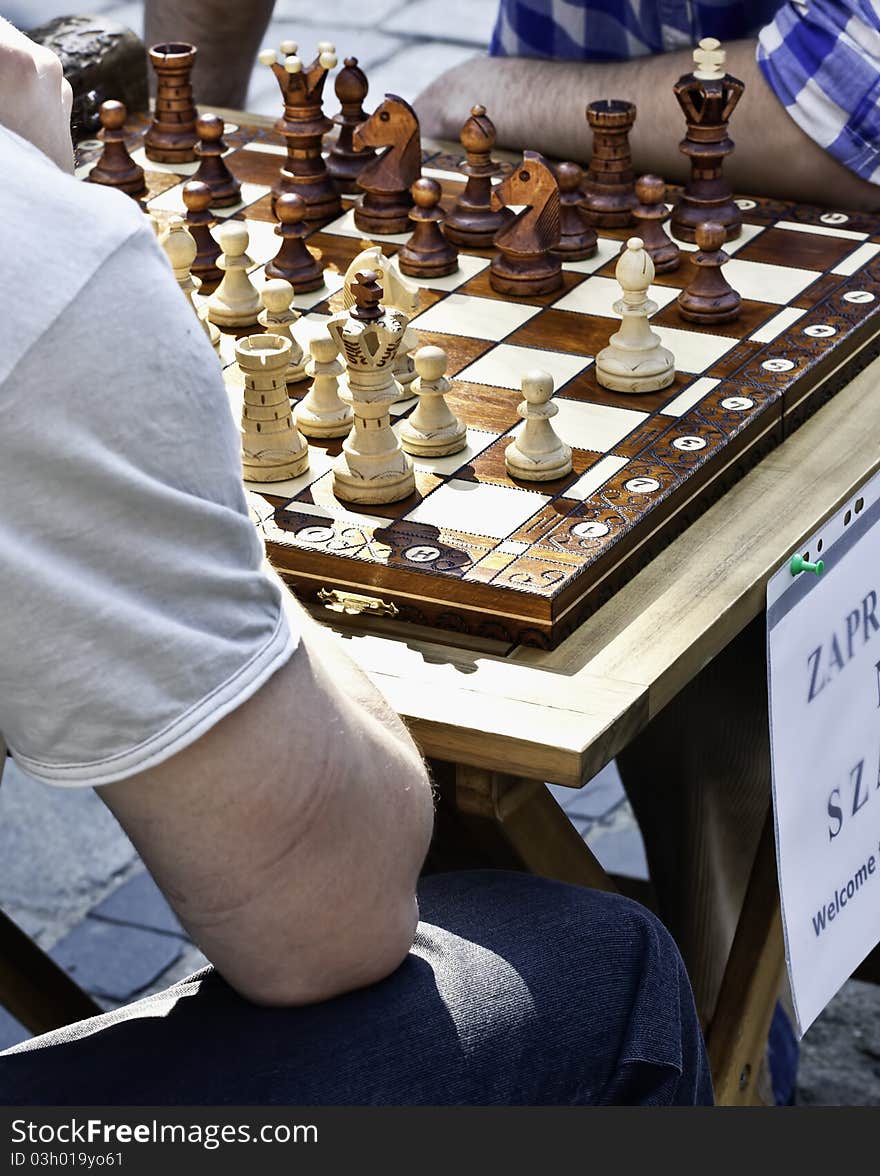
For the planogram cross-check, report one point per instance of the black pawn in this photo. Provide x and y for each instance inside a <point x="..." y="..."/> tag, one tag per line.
<point x="472" y="221"/>
<point x="116" y="168"/>
<point x="293" y="261"/>
<point x="649" y="215"/>
<point x="709" y="298"/>
<point x="427" y="254"/>
<point x="344" y="163"/>
<point x="577" y="238"/>
<point x="200" y="221"/>
<point x="225" y="188"/>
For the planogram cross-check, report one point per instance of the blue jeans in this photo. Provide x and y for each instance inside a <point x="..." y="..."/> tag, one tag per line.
<point x="517" y="991"/>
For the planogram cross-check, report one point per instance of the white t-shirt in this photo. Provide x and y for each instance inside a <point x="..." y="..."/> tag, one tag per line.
<point x="136" y="608"/>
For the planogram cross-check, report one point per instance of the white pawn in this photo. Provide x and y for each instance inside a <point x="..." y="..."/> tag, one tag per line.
<point x="433" y="430"/>
<point x="272" y="449"/>
<point x="235" y="302"/>
<point x="180" y="248"/>
<point x="537" y="455"/>
<point x="321" y="413"/>
<point x="635" y="360"/>
<point x="277" y="318"/>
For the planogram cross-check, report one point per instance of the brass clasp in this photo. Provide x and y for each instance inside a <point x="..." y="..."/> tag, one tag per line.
<point x="353" y="603"/>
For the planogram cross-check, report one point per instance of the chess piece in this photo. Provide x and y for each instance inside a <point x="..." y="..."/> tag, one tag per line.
<point x="200" y="220"/>
<point x="433" y="430"/>
<point x="171" y="137"/>
<point x="649" y="215"/>
<point x="277" y="318"/>
<point x="303" y="126"/>
<point x="225" y="188"/>
<point x="180" y="249"/>
<point x="609" y="193"/>
<point x="344" y="163"/>
<point x="537" y="454"/>
<point x="634" y="360"/>
<point x="372" y="467"/>
<point x="709" y="298"/>
<point x="708" y="97"/>
<point x="427" y="254"/>
<point x="473" y="222"/>
<point x="321" y="413"/>
<point x="294" y="262"/>
<point x="399" y="293"/>
<point x="235" y="302"/>
<point x="524" y="262"/>
<point x="116" y="168"/>
<point x="387" y="180"/>
<point x="272" y="448"/>
<point x="577" y="237"/>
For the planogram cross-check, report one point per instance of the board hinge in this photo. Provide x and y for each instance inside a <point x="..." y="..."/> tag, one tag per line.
<point x="354" y="603"/>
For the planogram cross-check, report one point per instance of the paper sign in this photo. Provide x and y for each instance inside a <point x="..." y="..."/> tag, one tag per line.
<point x="823" y="645"/>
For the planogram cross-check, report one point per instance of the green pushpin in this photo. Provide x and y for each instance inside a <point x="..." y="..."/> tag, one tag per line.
<point x="799" y="564"/>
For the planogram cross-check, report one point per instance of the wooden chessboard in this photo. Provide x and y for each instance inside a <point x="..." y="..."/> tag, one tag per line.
<point x="477" y="552"/>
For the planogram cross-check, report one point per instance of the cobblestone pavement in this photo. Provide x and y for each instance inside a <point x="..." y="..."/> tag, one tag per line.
<point x="70" y="877"/>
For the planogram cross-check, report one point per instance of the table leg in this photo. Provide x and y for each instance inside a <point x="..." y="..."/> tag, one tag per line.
<point x="33" y="988"/>
<point x="516" y="824"/>
<point x="737" y="1036"/>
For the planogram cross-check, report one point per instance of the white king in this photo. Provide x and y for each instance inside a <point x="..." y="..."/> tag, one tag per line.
<point x="372" y="467"/>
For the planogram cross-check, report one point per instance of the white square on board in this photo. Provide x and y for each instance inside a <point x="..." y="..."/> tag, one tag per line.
<point x="477" y="508"/>
<point x="475" y="318"/>
<point x="171" y="200"/>
<point x="327" y="506"/>
<point x="266" y="148"/>
<point x="597" y="295"/>
<point x="690" y="396"/>
<point x="477" y="441"/>
<point x="596" y="476"/>
<point x="505" y="365"/>
<point x="692" y="351"/>
<point x="775" y="326"/>
<point x="177" y="169"/>
<point x="468" y="267"/>
<point x="597" y="427"/>
<point x="606" y="248"/>
<point x="856" y="259"/>
<point x="749" y="232"/>
<point x="263" y="244"/>
<point x="762" y="282"/>
<point x="822" y="230"/>
<point x="320" y="462"/>
<point x="344" y="226"/>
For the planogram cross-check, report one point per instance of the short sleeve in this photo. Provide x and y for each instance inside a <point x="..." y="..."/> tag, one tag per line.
<point x="136" y="607"/>
<point x="822" y="60"/>
<point x="618" y="30"/>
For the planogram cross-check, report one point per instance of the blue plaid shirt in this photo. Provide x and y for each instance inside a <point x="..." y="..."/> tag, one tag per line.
<point x="820" y="57"/>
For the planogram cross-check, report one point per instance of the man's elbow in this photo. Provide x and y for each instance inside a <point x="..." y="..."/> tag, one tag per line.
<point x="367" y="956"/>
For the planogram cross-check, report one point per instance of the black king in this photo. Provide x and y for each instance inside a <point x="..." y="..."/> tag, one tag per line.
<point x="708" y="97"/>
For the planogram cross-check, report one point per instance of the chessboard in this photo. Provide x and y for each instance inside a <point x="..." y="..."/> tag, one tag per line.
<point x="478" y="552"/>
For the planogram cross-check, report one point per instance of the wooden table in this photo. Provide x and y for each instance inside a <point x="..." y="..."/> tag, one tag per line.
<point x="497" y="723"/>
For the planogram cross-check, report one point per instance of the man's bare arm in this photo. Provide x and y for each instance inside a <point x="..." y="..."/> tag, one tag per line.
<point x="228" y="38"/>
<point x="289" y="838"/>
<point x="540" y="105"/>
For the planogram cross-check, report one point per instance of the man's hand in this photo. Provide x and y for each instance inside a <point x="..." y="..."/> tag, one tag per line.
<point x="35" y="97"/>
